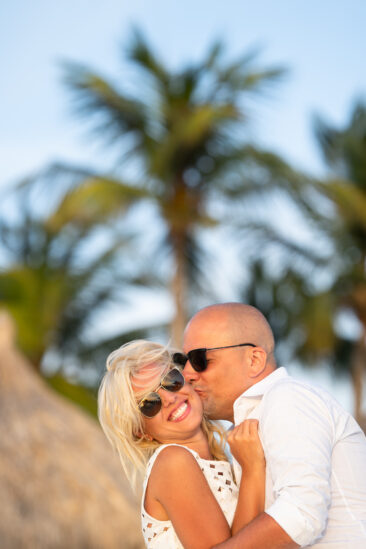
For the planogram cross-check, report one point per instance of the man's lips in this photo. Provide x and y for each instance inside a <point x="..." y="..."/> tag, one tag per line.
<point x="201" y="393"/>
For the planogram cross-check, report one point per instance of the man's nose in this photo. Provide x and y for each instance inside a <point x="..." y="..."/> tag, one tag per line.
<point x="190" y="375"/>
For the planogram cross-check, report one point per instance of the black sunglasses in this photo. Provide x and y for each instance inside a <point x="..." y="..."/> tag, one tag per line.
<point x="198" y="359"/>
<point x="173" y="381"/>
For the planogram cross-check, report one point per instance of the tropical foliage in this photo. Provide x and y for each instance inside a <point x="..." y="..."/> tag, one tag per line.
<point x="318" y="309"/>
<point x="58" y="278"/>
<point x="344" y="151"/>
<point x="182" y="138"/>
<point x="184" y="167"/>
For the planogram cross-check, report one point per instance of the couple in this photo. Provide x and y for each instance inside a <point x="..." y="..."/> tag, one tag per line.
<point x="310" y="490"/>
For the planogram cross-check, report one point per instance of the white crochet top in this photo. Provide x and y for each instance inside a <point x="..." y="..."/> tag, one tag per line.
<point x="160" y="534"/>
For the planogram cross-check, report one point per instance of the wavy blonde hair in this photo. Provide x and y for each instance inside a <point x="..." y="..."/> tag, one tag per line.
<point x="118" y="410"/>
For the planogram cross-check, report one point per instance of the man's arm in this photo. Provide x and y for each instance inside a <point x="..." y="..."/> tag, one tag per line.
<point x="262" y="533"/>
<point x="297" y="437"/>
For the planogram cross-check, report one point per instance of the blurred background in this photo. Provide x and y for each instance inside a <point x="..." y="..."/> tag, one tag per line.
<point x="156" y="158"/>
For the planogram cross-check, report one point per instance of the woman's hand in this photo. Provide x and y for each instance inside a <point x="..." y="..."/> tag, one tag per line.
<point x="246" y="447"/>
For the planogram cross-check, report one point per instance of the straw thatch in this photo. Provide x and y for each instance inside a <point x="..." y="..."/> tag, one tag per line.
<point x="61" y="486"/>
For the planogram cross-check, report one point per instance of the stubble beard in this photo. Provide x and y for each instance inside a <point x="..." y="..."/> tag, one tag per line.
<point x="210" y="409"/>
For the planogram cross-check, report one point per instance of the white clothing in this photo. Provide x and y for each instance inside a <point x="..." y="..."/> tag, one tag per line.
<point x="160" y="534"/>
<point x="316" y="462"/>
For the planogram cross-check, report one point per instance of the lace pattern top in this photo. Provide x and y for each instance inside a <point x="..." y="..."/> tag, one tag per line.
<point x="160" y="534"/>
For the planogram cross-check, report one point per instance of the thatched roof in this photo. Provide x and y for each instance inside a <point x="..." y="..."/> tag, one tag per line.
<point x="61" y="486"/>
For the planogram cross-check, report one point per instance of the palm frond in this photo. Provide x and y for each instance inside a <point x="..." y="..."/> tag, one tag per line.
<point x="213" y="56"/>
<point x="267" y="235"/>
<point x="350" y="201"/>
<point x="140" y="53"/>
<point x="94" y="201"/>
<point x="113" y="115"/>
<point x="98" y="351"/>
<point x="243" y="76"/>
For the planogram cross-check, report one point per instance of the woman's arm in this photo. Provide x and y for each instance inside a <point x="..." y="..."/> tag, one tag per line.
<point x="247" y="449"/>
<point x="178" y="484"/>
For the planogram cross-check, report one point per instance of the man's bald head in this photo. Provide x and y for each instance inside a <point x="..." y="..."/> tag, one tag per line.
<point x="231" y="367"/>
<point x="238" y="323"/>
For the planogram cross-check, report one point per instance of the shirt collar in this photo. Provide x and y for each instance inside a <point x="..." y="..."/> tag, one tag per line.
<point x="259" y="389"/>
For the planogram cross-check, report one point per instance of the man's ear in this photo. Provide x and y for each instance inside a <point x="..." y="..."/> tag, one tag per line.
<point x="258" y="361"/>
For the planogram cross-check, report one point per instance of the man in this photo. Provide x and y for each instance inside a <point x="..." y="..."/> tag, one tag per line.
<point x="315" y="451"/>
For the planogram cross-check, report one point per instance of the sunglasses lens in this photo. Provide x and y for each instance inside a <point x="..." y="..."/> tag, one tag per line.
<point x="180" y="359"/>
<point x="151" y="405"/>
<point x="173" y="381"/>
<point x="197" y="357"/>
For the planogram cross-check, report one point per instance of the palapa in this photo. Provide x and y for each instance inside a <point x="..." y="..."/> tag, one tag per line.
<point x="61" y="486"/>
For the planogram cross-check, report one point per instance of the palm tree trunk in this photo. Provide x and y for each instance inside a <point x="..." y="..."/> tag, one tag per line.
<point x="179" y="290"/>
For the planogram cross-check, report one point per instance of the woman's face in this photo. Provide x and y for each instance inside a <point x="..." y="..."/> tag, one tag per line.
<point x="180" y="416"/>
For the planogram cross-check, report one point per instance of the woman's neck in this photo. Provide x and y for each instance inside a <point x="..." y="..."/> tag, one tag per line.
<point x="198" y="442"/>
<point x="201" y="446"/>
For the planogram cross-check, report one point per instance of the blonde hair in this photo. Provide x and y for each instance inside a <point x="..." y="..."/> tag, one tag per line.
<point x="118" y="410"/>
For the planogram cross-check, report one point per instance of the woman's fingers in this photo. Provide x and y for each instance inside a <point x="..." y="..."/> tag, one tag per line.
<point x="245" y="444"/>
<point x="248" y="429"/>
<point x="253" y="426"/>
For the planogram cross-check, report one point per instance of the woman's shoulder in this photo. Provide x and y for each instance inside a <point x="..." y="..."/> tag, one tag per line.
<point x="167" y="460"/>
<point x="170" y="456"/>
<point x="172" y="463"/>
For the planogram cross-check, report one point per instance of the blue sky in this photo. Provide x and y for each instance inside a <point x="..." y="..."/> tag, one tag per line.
<point x="322" y="42"/>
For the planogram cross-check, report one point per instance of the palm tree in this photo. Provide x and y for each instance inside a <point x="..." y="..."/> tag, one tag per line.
<point x="57" y="279"/>
<point x="344" y="151"/>
<point x="182" y="135"/>
<point x="307" y="314"/>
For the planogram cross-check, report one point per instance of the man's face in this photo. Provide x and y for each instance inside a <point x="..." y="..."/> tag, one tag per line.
<point x="226" y="375"/>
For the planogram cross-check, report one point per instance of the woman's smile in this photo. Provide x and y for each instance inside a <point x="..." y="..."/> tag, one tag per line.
<point x="181" y="412"/>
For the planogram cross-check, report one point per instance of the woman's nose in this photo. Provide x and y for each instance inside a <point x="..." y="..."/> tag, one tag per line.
<point x="167" y="397"/>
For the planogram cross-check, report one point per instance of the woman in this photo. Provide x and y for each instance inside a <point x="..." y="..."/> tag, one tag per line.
<point x="155" y="422"/>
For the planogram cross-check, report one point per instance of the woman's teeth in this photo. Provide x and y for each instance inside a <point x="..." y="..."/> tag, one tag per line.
<point x="178" y="412"/>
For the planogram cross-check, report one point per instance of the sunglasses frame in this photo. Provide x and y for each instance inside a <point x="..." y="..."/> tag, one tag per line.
<point x="181" y="358"/>
<point x="155" y="392"/>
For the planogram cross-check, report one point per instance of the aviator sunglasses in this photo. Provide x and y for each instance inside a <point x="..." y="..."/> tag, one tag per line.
<point x="173" y="381"/>
<point x="198" y="358"/>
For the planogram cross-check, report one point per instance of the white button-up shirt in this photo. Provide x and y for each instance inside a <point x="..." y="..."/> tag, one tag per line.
<point x="316" y="462"/>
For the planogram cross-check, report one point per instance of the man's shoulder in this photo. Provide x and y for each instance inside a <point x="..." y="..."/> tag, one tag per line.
<point x="290" y="384"/>
<point x="290" y="389"/>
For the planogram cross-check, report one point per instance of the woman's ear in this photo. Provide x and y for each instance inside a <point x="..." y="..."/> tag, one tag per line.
<point x="145" y="436"/>
<point x="258" y="361"/>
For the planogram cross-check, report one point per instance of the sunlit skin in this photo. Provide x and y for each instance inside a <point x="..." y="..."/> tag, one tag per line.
<point x="180" y="417"/>
<point x="230" y="371"/>
<point x="179" y="422"/>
